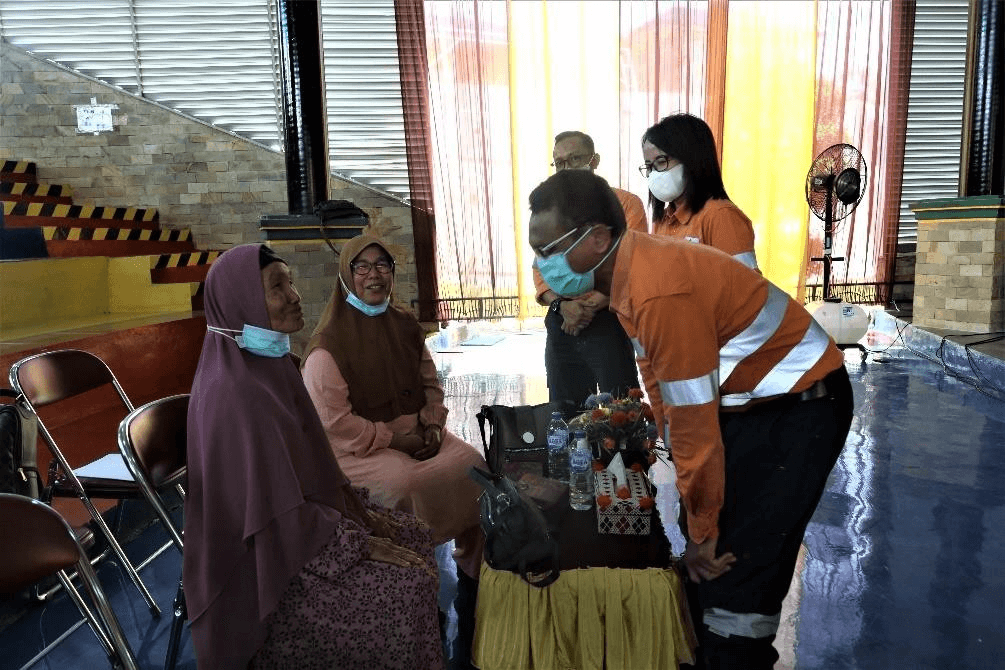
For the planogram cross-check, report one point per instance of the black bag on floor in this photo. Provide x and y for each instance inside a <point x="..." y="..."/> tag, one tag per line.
<point x="18" y="448"/>
<point x="517" y="538"/>
<point x="516" y="433"/>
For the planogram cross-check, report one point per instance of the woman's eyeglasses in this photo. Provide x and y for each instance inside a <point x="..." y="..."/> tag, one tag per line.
<point x="661" y="164"/>
<point x="363" y="267"/>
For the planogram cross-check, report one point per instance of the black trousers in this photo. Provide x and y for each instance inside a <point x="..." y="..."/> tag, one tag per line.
<point x="601" y="355"/>
<point x="778" y="457"/>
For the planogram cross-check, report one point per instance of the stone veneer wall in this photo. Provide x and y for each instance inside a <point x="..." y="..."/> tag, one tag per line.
<point x="198" y="177"/>
<point x="960" y="273"/>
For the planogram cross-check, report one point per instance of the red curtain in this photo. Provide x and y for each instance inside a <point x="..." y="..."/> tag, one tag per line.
<point x="410" y="25"/>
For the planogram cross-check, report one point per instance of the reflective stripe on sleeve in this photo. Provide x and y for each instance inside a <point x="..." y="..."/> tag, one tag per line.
<point x="789" y="370"/>
<point x="697" y="391"/>
<point x="748" y="258"/>
<point x="640" y="352"/>
<point x="753" y="337"/>
<point x="725" y="623"/>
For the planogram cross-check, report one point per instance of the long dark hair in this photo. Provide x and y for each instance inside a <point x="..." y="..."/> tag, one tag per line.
<point x="688" y="139"/>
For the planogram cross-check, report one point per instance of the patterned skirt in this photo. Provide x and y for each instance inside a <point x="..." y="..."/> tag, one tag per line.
<point x="344" y="610"/>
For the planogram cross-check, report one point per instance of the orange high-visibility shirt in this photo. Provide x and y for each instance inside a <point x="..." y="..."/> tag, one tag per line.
<point x="718" y="224"/>
<point x="709" y="331"/>
<point x="635" y="216"/>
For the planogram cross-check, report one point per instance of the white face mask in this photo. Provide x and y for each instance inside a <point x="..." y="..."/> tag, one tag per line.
<point x="668" y="185"/>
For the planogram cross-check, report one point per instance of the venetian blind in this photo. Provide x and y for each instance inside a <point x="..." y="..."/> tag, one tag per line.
<point x="218" y="62"/>
<point x="933" y="143"/>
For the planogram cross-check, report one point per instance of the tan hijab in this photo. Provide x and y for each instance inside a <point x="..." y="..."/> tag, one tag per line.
<point x="379" y="356"/>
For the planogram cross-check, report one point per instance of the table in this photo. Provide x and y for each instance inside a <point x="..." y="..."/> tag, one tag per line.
<point x="618" y="605"/>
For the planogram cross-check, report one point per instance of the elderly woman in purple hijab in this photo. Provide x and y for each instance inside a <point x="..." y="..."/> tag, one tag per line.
<point x="286" y="565"/>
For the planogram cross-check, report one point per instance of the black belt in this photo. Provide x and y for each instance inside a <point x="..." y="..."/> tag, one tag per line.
<point x="816" y="391"/>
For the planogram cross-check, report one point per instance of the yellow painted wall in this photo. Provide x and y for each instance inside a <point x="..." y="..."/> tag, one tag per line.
<point x="130" y="290"/>
<point x="33" y="293"/>
<point x="51" y="294"/>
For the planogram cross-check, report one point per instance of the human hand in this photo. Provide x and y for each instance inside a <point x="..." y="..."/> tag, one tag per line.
<point x="594" y="300"/>
<point x="432" y="440"/>
<point x="575" y="316"/>
<point x="386" y="551"/>
<point x="702" y="562"/>
<point x="407" y="443"/>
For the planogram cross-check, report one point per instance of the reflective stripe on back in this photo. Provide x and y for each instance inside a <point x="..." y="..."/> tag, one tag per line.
<point x="753" y="337"/>
<point x="790" y="369"/>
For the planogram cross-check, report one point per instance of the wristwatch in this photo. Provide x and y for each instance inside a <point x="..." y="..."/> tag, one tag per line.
<point x="556" y="305"/>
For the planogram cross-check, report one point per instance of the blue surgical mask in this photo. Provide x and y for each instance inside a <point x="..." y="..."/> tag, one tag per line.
<point x="258" y="341"/>
<point x="561" y="278"/>
<point x="369" y="310"/>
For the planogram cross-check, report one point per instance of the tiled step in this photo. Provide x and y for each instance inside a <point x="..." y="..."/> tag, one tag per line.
<point x="23" y="192"/>
<point x="37" y="214"/>
<point x="68" y="242"/>
<point x="184" y="267"/>
<point x="19" y="171"/>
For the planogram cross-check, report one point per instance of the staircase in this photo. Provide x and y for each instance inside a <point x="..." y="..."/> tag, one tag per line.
<point x="108" y="280"/>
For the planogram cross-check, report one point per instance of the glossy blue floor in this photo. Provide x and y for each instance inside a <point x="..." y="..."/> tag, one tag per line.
<point x="900" y="567"/>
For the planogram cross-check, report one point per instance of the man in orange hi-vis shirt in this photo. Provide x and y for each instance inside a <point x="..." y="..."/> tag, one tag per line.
<point x="586" y="346"/>
<point x="753" y="395"/>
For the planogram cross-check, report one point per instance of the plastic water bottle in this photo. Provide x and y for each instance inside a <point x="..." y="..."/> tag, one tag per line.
<point x="558" y="448"/>
<point x="581" y="474"/>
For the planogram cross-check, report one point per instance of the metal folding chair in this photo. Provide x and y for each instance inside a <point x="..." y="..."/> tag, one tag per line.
<point x="54" y="376"/>
<point x="36" y="542"/>
<point x="153" y="442"/>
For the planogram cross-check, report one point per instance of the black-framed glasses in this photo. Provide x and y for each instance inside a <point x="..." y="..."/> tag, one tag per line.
<point x="661" y="164"/>
<point x="573" y="161"/>
<point x="363" y="268"/>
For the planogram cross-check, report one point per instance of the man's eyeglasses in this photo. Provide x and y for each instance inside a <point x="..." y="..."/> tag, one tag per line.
<point x="661" y="164"/>
<point x="572" y="162"/>
<point x="362" y="268"/>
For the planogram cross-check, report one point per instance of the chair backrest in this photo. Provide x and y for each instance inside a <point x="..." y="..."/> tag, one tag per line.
<point x="156" y="435"/>
<point x="56" y="375"/>
<point x="34" y="542"/>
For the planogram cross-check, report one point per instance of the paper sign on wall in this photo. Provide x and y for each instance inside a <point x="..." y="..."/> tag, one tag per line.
<point x="94" y="118"/>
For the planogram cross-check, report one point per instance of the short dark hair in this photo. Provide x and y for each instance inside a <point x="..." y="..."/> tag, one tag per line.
<point x="575" y="134"/>
<point x="688" y="139"/>
<point x="580" y="197"/>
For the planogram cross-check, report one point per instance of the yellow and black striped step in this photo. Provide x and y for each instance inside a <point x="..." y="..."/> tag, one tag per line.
<point x="183" y="267"/>
<point x="39" y="214"/>
<point x="61" y="241"/>
<point x="23" y="192"/>
<point x="19" y="171"/>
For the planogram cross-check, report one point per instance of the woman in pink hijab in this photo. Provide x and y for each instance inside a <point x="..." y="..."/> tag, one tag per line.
<point x="286" y="565"/>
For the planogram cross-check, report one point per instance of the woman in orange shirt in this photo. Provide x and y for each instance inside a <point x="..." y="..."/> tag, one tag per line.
<point x="686" y="192"/>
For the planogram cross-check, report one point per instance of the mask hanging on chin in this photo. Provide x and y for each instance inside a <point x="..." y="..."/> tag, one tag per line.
<point x="369" y="310"/>
<point x="258" y="341"/>
<point x="669" y="185"/>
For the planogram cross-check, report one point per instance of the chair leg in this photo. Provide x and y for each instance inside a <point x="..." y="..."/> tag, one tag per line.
<point x="179" y="614"/>
<point x="121" y="654"/>
<point x="134" y="577"/>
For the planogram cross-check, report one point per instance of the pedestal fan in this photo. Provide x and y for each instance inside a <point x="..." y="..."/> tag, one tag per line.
<point x="834" y="187"/>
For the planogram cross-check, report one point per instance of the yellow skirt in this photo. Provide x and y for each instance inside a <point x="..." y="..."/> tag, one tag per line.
<point x="590" y="619"/>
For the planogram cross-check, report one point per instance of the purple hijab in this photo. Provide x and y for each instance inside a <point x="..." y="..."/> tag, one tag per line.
<point x="265" y="492"/>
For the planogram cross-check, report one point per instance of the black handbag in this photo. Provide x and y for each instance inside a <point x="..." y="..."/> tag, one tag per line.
<point x="516" y="433"/>
<point x="517" y="538"/>
<point x="18" y="457"/>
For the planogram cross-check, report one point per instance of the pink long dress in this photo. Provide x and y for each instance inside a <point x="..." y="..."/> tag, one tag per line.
<point x="437" y="490"/>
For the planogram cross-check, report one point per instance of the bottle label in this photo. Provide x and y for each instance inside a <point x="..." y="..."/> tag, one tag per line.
<point x="558" y="440"/>
<point x="579" y="460"/>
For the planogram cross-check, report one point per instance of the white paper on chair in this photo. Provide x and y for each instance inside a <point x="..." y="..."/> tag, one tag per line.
<point x="110" y="466"/>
